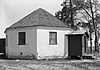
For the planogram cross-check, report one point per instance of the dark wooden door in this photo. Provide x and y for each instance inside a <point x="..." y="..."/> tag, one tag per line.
<point x="2" y="48"/>
<point x="74" y="45"/>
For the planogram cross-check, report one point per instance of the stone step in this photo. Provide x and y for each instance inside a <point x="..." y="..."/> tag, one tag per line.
<point x="88" y="57"/>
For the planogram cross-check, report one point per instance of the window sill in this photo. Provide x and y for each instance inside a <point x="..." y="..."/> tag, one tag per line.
<point x="52" y="44"/>
<point x="22" y="44"/>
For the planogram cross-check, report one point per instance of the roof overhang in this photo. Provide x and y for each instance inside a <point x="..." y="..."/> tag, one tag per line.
<point x="38" y="26"/>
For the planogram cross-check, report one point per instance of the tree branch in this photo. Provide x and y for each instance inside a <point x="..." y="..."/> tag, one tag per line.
<point x="87" y="12"/>
<point x="95" y="11"/>
<point x="85" y="16"/>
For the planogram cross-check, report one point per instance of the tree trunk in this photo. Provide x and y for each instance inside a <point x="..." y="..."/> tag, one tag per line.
<point x="71" y="10"/>
<point x="94" y="24"/>
<point x="96" y="33"/>
<point x="90" y="42"/>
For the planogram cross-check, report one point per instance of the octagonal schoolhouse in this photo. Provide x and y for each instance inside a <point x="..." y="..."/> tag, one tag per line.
<point x="38" y="35"/>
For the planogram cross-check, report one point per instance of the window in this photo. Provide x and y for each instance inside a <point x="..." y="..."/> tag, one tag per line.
<point x="22" y="38"/>
<point x="52" y="38"/>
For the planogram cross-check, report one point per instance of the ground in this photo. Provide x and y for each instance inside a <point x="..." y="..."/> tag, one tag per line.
<point x="50" y="65"/>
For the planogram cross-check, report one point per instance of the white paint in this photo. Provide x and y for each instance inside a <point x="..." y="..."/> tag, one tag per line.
<point x="66" y="46"/>
<point x="37" y="42"/>
<point x="43" y="47"/>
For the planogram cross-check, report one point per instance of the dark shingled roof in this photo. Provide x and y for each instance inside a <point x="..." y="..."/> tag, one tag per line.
<point x="39" y="17"/>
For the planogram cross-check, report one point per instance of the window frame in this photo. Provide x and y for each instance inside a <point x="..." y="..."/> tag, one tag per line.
<point x="21" y="38"/>
<point x="50" y="43"/>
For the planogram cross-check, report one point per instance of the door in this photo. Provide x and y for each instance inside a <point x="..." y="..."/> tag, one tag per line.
<point x="2" y="48"/>
<point x="74" y="45"/>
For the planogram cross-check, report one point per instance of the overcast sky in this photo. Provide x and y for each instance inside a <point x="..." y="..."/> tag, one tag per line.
<point x="13" y="10"/>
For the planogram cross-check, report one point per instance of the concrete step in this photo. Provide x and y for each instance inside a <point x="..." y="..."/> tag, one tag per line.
<point x="89" y="56"/>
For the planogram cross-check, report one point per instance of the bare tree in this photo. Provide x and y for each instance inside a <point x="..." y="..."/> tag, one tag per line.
<point x="72" y="7"/>
<point x="92" y="13"/>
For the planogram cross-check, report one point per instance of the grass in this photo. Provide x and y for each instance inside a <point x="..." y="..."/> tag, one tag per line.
<point x="53" y="65"/>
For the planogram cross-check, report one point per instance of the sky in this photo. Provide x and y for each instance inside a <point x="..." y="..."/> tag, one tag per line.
<point x="13" y="10"/>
